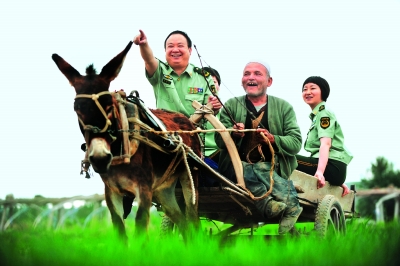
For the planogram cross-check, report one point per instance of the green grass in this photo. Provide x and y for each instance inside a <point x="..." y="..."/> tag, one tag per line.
<point x="98" y="245"/>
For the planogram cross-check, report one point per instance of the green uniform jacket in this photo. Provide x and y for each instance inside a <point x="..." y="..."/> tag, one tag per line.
<point x="282" y="124"/>
<point x="325" y="124"/>
<point x="176" y="93"/>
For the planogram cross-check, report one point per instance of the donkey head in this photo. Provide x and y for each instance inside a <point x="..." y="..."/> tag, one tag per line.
<point x="95" y="107"/>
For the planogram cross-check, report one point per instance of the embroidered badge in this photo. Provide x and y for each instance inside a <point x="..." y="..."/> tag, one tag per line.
<point x="166" y="81"/>
<point x="213" y="89"/>
<point x="200" y="71"/>
<point x="322" y="107"/>
<point x="167" y="76"/>
<point x="325" y="122"/>
<point x="193" y="90"/>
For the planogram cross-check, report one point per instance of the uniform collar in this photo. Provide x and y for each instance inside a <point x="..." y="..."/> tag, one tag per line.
<point x="317" y="109"/>
<point x="189" y="70"/>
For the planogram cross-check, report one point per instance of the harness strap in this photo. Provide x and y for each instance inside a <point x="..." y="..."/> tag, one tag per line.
<point x="135" y="120"/>
<point x="169" y="171"/>
<point x="125" y="126"/>
<point x="244" y="208"/>
<point x="150" y="143"/>
<point x="95" y="98"/>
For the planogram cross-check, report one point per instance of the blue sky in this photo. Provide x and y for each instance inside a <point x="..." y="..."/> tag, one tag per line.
<point x="353" y="44"/>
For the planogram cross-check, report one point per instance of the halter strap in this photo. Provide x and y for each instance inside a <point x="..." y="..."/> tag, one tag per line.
<point x="95" y="98"/>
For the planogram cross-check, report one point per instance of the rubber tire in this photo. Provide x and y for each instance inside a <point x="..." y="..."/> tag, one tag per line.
<point x="330" y="219"/>
<point x="167" y="226"/>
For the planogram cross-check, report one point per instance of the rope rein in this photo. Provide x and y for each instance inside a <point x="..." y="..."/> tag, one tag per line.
<point x="191" y="132"/>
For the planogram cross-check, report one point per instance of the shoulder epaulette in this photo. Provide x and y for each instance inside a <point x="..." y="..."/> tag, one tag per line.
<point x="213" y="89"/>
<point x="200" y="71"/>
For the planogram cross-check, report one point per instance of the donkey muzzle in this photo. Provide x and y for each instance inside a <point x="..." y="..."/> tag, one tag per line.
<point x="100" y="156"/>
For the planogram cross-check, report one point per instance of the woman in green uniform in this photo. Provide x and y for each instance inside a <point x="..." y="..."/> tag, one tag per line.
<point x="325" y="141"/>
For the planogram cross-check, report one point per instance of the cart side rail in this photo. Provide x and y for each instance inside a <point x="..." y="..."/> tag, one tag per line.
<point x="311" y="194"/>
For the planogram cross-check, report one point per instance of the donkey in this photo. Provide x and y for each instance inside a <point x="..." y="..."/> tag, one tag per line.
<point x="148" y="171"/>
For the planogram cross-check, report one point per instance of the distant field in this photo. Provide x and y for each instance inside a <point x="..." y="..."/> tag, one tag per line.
<point x="97" y="245"/>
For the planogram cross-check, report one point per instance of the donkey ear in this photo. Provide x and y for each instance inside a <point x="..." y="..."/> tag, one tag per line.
<point x="69" y="72"/>
<point x="112" y="69"/>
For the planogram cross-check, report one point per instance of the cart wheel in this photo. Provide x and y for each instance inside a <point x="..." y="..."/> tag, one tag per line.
<point x="167" y="226"/>
<point x="329" y="219"/>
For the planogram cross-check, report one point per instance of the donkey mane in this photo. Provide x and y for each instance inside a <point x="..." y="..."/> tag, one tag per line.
<point x="90" y="70"/>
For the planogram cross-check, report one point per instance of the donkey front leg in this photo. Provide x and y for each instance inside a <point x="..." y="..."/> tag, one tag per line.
<point x="144" y="200"/>
<point x="115" y="206"/>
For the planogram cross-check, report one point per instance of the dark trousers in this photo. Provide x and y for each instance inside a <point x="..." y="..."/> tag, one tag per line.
<point x="335" y="171"/>
<point x="257" y="180"/>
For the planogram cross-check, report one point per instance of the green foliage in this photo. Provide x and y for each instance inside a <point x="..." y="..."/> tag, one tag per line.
<point x="383" y="175"/>
<point x="364" y="244"/>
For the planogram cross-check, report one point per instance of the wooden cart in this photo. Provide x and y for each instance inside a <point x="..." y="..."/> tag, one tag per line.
<point x="325" y="206"/>
<point x="229" y="204"/>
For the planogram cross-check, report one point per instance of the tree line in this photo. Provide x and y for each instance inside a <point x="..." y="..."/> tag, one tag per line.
<point x="383" y="175"/>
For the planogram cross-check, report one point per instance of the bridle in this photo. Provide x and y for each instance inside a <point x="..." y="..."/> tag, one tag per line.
<point x="95" y="98"/>
<point x="128" y="135"/>
<point x="89" y="128"/>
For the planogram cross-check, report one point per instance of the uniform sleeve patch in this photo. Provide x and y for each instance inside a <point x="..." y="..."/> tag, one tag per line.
<point x="325" y="122"/>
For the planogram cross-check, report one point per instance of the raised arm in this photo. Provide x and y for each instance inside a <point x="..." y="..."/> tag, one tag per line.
<point x="151" y="63"/>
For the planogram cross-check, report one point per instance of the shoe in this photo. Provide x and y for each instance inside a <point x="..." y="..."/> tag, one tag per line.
<point x="289" y="219"/>
<point x="274" y="208"/>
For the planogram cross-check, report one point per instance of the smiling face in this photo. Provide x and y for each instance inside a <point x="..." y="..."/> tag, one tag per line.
<point x="312" y="94"/>
<point x="177" y="52"/>
<point x="256" y="80"/>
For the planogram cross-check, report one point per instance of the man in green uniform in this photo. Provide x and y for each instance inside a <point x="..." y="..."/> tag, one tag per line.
<point x="176" y="83"/>
<point x="276" y="120"/>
